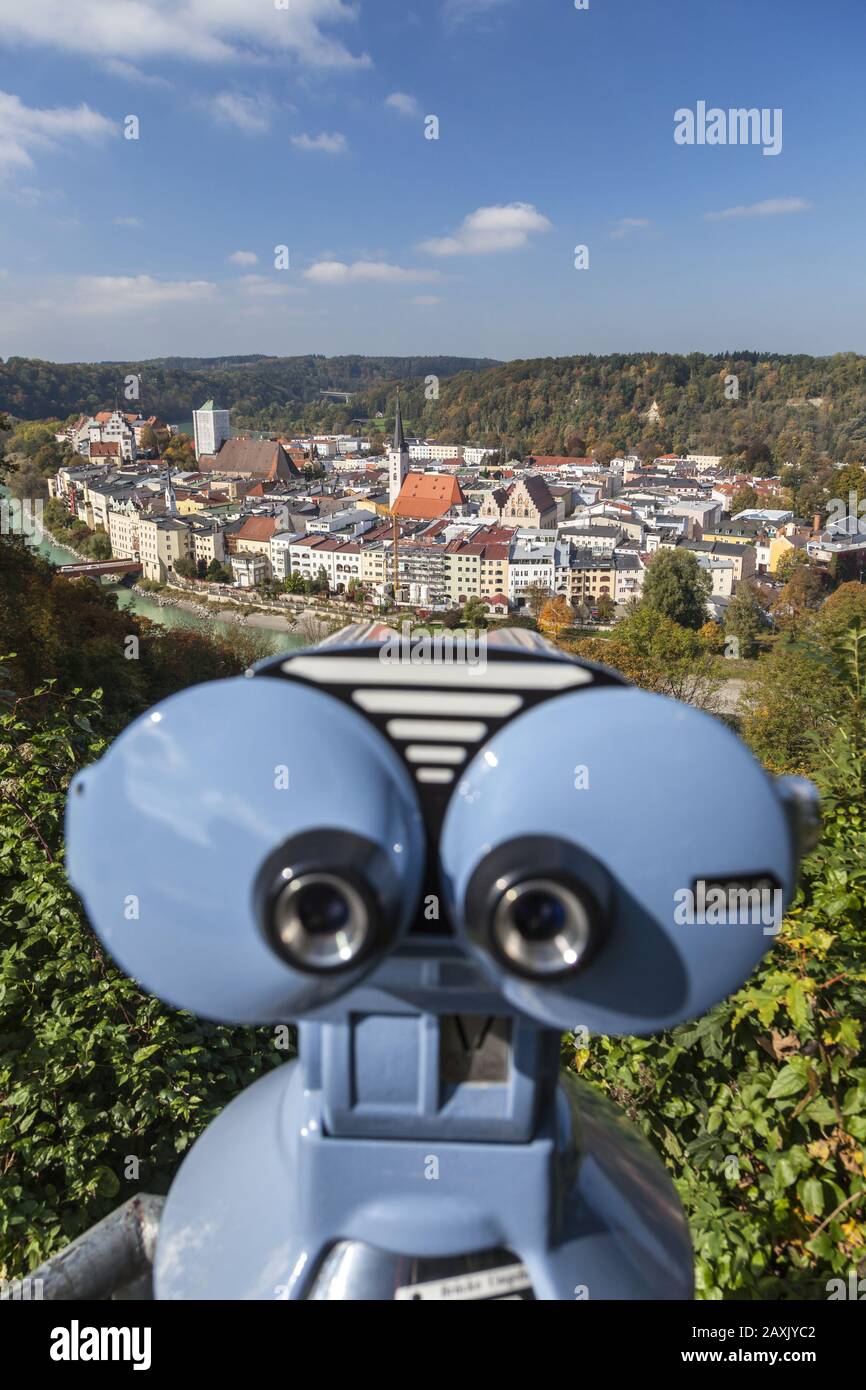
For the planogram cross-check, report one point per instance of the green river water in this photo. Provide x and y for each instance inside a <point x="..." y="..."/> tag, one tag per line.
<point x="168" y="617"/>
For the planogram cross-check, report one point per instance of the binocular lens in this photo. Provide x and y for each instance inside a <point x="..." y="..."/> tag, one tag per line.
<point x="542" y="928"/>
<point x="321" y="923"/>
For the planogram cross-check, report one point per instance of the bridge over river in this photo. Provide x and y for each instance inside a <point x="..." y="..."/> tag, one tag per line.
<point x="95" y="569"/>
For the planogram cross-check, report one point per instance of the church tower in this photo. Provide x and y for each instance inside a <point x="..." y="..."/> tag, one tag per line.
<point x="170" y="502"/>
<point x="398" y="459"/>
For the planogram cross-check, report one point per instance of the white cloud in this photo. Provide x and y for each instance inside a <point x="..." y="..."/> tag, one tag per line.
<point x="502" y="228"/>
<point x="626" y="225"/>
<point x="209" y="31"/>
<point x="262" y="287"/>
<point x="28" y="130"/>
<point x="109" y="295"/>
<point x="119" y="318"/>
<point x="128" y="72"/>
<point x="404" y="103"/>
<point x="772" y="207"/>
<point x="426" y="301"/>
<point x="249" y="114"/>
<point x="243" y="258"/>
<point x="327" y="144"/>
<point x="29" y="197"/>
<point x="339" y="273"/>
<point x="127" y="221"/>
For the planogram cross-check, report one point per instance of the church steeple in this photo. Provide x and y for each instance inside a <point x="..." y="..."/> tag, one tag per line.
<point x="170" y="502"/>
<point x="398" y="462"/>
<point x="399" y="436"/>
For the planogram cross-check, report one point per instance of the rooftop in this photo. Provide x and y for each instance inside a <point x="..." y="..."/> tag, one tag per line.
<point x="426" y="496"/>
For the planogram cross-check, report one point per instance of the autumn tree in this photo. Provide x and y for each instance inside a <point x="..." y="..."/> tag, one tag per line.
<point x="801" y="594"/>
<point x="605" y="608"/>
<point x="790" y="561"/>
<point x="555" y="617"/>
<point x="744" y="619"/>
<point x="475" y="613"/>
<point x="652" y="651"/>
<point x="180" y="450"/>
<point x="843" y="609"/>
<point x="744" y="500"/>
<point x="536" y="596"/>
<point x="713" y="638"/>
<point x="677" y="587"/>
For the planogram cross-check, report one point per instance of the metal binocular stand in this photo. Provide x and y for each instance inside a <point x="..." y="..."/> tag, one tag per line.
<point x="437" y="861"/>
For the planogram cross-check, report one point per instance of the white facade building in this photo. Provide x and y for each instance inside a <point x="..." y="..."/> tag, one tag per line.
<point x="721" y="572"/>
<point x="211" y="428"/>
<point x="249" y="570"/>
<point x="435" y="453"/>
<point x="531" y="565"/>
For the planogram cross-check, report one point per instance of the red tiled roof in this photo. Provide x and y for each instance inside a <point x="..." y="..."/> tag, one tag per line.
<point x="312" y="541"/>
<point x="257" y="528"/>
<point x="426" y="496"/>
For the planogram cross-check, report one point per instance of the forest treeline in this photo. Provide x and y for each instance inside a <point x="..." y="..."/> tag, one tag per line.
<point x="762" y="409"/>
<point x="172" y="387"/>
<point x="758" y="410"/>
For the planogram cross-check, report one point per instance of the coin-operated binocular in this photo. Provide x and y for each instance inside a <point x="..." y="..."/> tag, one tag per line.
<point x="438" y="860"/>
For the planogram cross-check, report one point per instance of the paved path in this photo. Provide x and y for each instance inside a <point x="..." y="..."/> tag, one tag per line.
<point x="729" y="696"/>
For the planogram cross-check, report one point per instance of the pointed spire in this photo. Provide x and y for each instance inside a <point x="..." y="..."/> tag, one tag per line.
<point x="170" y="500"/>
<point x="399" y="436"/>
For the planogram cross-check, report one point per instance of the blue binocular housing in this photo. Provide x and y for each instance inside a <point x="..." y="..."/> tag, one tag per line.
<point x="252" y="848"/>
<point x="437" y="865"/>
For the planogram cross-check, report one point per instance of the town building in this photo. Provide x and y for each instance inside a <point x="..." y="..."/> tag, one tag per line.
<point x="527" y="502"/>
<point x="256" y="459"/>
<point x="211" y="429"/>
<point x="582" y="576"/>
<point x="428" y="497"/>
<point x="249" y="570"/>
<point x="254" y="538"/>
<point x="162" y="542"/>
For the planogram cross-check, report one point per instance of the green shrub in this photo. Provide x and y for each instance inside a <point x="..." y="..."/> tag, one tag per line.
<point x="759" y="1109"/>
<point x="92" y="1072"/>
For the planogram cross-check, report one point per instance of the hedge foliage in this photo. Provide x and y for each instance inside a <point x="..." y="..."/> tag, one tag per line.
<point x="102" y="1088"/>
<point x="759" y="1108"/>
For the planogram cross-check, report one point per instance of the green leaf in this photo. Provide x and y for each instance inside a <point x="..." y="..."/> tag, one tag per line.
<point x="811" y="1194"/>
<point x="788" y="1082"/>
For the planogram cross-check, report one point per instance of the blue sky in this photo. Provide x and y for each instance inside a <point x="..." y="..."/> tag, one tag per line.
<point x="304" y="126"/>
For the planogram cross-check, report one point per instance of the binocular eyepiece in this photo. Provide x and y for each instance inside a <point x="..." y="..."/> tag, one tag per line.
<point x="328" y="901"/>
<point x="539" y="906"/>
<point x="252" y="849"/>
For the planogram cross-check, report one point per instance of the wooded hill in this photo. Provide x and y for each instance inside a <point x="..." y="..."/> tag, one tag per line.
<point x="172" y="387"/>
<point x="761" y="410"/>
<point x="775" y="409"/>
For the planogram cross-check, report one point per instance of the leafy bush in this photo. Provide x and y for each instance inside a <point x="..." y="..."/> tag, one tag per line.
<point x="760" y="1107"/>
<point x="92" y="1072"/>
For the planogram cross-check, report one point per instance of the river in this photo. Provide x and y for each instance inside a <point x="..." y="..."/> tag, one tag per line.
<point x="170" y="617"/>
